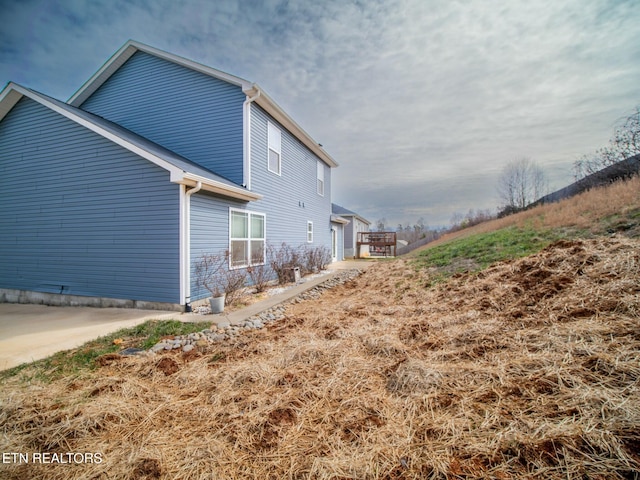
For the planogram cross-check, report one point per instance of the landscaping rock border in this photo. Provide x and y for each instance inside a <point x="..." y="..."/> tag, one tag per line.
<point x="226" y="331"/>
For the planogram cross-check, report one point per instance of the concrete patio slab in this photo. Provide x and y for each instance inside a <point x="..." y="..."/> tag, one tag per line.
<point x="32" y="332"/>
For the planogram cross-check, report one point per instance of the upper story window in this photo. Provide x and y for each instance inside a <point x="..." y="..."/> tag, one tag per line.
<point x="320" y="177"/>
<point x="274" y="161"/>
<point x="246" y="238"/>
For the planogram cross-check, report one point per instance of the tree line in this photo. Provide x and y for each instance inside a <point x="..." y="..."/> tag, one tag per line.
<point x="522" y="182"/>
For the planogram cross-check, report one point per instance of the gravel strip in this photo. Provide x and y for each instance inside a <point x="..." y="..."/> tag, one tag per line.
<point x="225" y="331"/>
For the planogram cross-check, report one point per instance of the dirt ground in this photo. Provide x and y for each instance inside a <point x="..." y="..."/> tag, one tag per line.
<point x="529" y="369"/>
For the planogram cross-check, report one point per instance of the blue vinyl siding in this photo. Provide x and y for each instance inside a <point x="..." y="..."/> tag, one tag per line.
<point x="188" y="112"/>
<point x="290" y="199"/>
<point x="81" y="215"/>
<point x="210" y="231"/>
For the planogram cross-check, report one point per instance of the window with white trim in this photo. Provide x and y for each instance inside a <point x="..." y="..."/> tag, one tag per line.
<point x="309" y="231"/>
<point x="320" y="177"/>
<point x="246" y="238"/>
<point x="274" y="139"/>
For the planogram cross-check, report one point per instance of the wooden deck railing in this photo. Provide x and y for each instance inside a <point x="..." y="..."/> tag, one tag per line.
<point x="380" y="243"/>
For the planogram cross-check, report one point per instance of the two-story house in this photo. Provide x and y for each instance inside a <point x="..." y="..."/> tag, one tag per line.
<point x="111" y="197"/>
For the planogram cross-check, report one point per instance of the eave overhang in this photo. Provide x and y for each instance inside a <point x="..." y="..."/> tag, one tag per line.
<point x="339" y="219"/>
<point x="219" y="188"/>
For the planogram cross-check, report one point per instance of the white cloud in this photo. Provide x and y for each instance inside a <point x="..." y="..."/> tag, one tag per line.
<point x="421" y="103"/>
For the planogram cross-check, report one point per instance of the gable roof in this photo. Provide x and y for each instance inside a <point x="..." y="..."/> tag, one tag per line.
<point x="345" y="212"/>
<point x="181" y="170"/>
<point x="248" y="88"/>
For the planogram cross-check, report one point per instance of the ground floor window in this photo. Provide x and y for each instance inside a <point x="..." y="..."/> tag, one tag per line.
<point x="246" y="238"/>
<point x="309" y="232"/>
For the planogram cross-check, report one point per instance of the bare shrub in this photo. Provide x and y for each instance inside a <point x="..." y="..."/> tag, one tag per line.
<point x="282" y="258"/>
<point x="212" y="273"/>
<point x="260" y="276"/>
<point x="209" y="273"/>
<point x="314" y="259"/>
<point x="234" y="282"/>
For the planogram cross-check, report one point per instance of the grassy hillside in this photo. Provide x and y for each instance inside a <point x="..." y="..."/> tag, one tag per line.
<point x="611" y="211"/>
<point x="525" y="368"/>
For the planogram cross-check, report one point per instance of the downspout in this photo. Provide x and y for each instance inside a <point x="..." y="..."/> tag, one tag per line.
<point x="186" y="262"/>
<point x="247" y="139"/>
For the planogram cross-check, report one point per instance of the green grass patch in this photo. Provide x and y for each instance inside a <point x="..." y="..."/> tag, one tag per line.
<point x="627" y="223"/>
<point x="81" y="359"/>
<point x="477" y="252"/>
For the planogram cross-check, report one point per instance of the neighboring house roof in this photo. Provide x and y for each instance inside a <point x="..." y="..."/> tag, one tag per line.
<point x="248" y="88"/>
<point x="182" y="171"/>
<point x="345" y="212"/>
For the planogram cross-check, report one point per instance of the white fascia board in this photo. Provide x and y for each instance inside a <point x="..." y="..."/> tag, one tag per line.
<point x="273" y="109"/>
<point x="8" y="99"/>
<point x="355" y="216"/>
<point x="339" y="219"/>
<point x="102" y="75"/>
<point x="127" y="51"/>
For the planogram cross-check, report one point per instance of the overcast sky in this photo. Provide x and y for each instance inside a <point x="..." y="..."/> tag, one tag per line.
<point x="422" y="102"/>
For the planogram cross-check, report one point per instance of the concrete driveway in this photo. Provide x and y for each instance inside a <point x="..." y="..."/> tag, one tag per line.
<point x="33" y="332"/>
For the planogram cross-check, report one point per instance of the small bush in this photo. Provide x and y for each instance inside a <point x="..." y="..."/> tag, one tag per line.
<point x="209" y="272"/>
<point x="314" y="259"/>
<point x="213" y="273"/>
<point x="260" y="276"/>
<point x="282" y="258"/>
<point x="308" y="259"/>
<point x="234" y="282"/>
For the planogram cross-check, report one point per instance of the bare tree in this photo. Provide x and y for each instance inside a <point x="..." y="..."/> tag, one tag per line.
<point x="625" y="143"/>
<point x="521" y="182"/>
<point x="381" y="224"/>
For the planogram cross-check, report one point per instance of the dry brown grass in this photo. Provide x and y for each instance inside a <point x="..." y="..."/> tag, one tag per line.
<point x="530" y="369"/>
<point x="585" y="211"/>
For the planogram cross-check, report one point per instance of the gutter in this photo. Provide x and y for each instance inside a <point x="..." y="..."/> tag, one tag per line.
<point x="192" y="180"/>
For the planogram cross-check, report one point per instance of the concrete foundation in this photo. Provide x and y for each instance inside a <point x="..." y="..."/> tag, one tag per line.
<point x="8" y="295"/>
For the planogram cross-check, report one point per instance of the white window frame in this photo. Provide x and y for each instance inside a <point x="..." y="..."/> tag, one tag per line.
<point x="247" y="239"/>
<point x="274" y="144"/>
<point x="320" y="178"/>
<point x="309" y="231"/>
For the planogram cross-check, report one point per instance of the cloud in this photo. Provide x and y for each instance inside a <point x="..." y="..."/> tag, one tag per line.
<point x="422" y="103"/>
